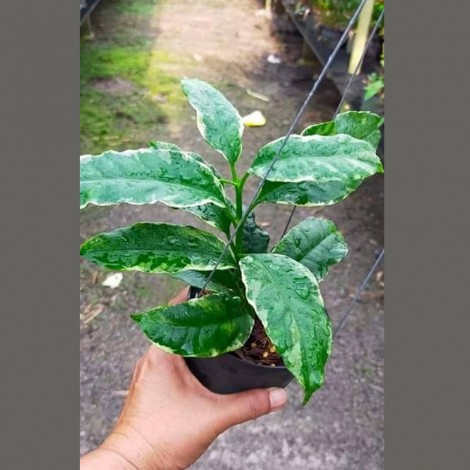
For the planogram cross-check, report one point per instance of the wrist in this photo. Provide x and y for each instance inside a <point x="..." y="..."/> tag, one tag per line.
<point x="104" y="459"/>
<point x="133" y="451"/>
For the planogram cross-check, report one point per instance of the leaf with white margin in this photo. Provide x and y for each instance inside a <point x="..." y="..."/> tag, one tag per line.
<point x="147" y="176"/>
<point x="316" y="243"/>
<point x="218" y="217"/>
<point x="307" y="193"/>
<point x="319" y="159"/>
<point x="205" y="327"/>
<point x="157" y="248"/>
<point x="362" y="125"/>
<point x="287" y="300"/>
<point x="217" y="120"/>
<point x="169" y="146"/>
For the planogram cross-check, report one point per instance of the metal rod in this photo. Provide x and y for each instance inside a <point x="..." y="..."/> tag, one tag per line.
<point x="359" y="292"/>
<point x="309" y="97"/>
<point x="343" y="96"/>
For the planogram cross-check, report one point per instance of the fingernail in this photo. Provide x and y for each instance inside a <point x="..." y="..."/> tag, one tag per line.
<point x="277" y="397"/>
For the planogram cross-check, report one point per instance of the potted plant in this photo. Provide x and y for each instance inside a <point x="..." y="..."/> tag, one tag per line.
<point x="261" y="320"/>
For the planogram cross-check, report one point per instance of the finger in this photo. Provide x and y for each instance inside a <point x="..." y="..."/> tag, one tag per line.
<point x="182" y="296"/>
<point x="240" y="407"/>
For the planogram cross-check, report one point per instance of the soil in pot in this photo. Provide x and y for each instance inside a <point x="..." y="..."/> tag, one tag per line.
<point x="256" y="365"/>
<point x="259" y="349"/>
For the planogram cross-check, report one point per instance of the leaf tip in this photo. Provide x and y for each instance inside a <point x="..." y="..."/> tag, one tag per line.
<point x="310" y="390"/>
<point x="307" y="397"/>
<point x="84" y="248"/>
<point x="137" y="317"/>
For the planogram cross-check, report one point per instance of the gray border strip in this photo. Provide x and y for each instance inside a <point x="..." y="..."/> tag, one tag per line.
<point x="426" y="220"/>
<point x="427" y="319"/>
<point x="39" y="358"/>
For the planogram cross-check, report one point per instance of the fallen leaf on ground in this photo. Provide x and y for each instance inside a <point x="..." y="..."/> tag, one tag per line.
<point x="91" y="312"/>
<point x="259" y="96"/>
<point x="273" y="59"/>
<point x="379" y="279"/>
<point x="94" y="277"/>
<point x="255" y="119"/>
<point x="113" y="280"/>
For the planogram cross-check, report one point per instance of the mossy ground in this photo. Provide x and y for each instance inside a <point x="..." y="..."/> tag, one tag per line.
<point x="124" y="94"/>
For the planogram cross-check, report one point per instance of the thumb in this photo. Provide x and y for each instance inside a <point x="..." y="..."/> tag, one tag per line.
<point x="237" y="408"/>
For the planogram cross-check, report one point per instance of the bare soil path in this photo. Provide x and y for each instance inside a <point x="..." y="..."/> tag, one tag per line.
<point x="227" y="43"/>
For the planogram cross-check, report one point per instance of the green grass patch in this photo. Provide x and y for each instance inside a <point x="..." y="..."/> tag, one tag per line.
<point x="117" y="122"/>
<point x="137" y="7"/>
<point x="140" y="65"/>
<point x="105" y="61"/>
<point x="113" y="118"/>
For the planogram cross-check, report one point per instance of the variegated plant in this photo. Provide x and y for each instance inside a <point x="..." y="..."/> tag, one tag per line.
<point x="321" y="166"/>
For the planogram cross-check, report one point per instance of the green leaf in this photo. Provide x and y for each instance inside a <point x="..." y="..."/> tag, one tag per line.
<point x="214" y="215"/>
<point x="362" y="125"/>
<point x="146" y="176"/>
<point x="317" y="158"/>
<point x="287" y="300"/>
<point x="156" y="248"/>
<point x="221" y="281"/>
<point x="169" y="146"/>
<point x="374" y="87"/>
<point x="255" y="239"/>
<point x="314" y="170"/>
<point x="217" y="120"/>
<point x="155" y="144"/>
<point x="324" y="128"/>
<point x="307" y="193"/>
<point x="315" y="243"/>
<point x="204" y="327"/>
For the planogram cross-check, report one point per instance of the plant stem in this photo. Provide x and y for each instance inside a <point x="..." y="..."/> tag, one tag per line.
<point x="239" y="208"/>
<point x="238" y="194"/>
<point x="238" y="205"/>
<point x="239" y="201"/>
<point x="234" y="174"/>
<point x="233" y="248"/>
<point x="224" y="181"/>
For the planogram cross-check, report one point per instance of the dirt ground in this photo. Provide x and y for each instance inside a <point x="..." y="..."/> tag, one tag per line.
<point x="227" y="43"/>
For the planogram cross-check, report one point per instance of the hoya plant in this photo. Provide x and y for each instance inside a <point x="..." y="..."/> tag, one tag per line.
<point x="254" y="286"/>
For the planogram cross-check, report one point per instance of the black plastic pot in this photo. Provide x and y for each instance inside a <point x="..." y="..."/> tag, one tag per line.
<point x="230" y="374"/>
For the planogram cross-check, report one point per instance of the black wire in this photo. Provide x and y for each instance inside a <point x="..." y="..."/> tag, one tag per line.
<point x="359" y="64"/>
<point x="358" y="292"/>
<point x="343" y="96"/>
<point x="309" y="97"/>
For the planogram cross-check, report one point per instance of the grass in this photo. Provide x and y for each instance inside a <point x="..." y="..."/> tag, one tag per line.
<point x="110" y="117"/>
<point x="98" y="61"/>
<point x="138" y="7"/>
<point x="117" y="122"/>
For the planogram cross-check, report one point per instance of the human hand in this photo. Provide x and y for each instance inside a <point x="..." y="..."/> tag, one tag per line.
<point x="169" y="419"/>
